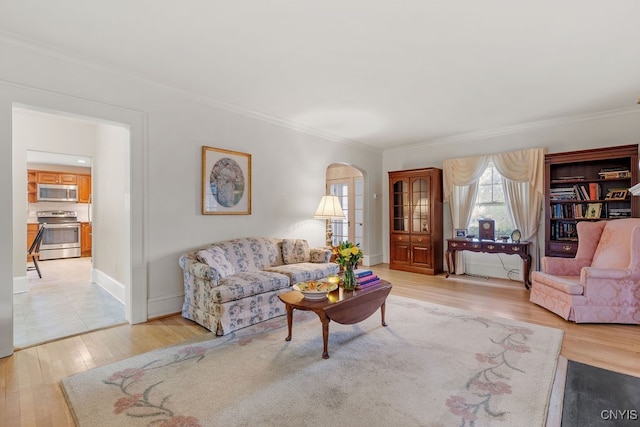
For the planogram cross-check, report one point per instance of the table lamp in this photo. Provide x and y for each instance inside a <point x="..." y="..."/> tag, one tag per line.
<point x="328" y="209"/>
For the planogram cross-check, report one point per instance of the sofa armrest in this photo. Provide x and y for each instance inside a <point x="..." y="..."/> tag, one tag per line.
<point x="321" y="255"/>
<point x="609" y="284"/>
<point x="558" y="266"/>
<point x="199" y="270"/>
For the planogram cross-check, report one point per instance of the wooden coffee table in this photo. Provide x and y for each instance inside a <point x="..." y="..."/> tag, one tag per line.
<point x="344" y="307"/>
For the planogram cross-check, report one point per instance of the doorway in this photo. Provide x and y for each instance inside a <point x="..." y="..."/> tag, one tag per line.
<point x="347" y="183"/>
<point x="77" y="294"/>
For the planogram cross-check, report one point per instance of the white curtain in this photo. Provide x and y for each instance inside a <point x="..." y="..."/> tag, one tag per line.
<point x="523" y="176"/>
<point x="523" y="173"/>
<point x="460" y="182"/>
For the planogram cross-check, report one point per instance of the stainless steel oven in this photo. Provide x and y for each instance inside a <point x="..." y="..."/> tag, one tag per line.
<point x="61" y="237"/>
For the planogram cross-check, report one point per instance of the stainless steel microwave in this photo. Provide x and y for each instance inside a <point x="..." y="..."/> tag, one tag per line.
<point x="57" y="193"/>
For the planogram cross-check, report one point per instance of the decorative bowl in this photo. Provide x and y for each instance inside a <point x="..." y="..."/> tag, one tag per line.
<point x="315" y="289"/>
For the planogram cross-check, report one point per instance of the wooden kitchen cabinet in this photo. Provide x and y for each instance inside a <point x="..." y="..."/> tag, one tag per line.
<point x="44" y="177"/>
<point x="32" y="186"/>
<point x="415" y="220"/>
<point x="86" y="238"/>
<point x="84" y="188"/>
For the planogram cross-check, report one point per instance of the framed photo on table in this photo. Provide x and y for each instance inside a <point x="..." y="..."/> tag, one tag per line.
<point x="461" y="233"/>
<point x="226" y="182"/>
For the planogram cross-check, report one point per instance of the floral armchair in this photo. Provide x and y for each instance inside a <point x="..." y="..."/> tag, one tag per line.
<point x="602" y="283"/>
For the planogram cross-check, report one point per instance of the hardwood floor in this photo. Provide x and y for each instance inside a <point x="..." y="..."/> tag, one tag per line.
<point x="30" y="394"/>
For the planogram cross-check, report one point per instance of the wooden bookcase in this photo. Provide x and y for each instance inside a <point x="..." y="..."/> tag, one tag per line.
<point x="587" y="185"/>
<point x="415" y="220"/>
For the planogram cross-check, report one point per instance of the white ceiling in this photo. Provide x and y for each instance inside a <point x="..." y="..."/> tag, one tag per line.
<point x="381" y="73"/>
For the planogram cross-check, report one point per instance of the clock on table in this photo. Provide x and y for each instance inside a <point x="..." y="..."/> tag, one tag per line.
<point x="487" y="229"/>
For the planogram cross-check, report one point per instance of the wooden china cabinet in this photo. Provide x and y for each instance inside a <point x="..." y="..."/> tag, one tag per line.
<point x="415" y="220"/>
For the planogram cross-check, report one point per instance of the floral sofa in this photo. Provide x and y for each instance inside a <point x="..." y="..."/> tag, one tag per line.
<point x="233" y="284"/>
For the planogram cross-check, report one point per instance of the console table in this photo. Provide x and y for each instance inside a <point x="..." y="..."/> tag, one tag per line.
<point x="492" y="247"/>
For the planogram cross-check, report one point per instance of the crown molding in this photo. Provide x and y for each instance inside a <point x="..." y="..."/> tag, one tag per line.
<point x="524" y="127"/>
<point x="55" y="52"/>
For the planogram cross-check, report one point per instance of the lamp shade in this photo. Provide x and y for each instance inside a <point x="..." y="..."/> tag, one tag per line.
<point x="329" y="208"/>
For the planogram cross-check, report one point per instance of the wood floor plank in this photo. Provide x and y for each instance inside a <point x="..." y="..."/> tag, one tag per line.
<point x="33" y="374"/>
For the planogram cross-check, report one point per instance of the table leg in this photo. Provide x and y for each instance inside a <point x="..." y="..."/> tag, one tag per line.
<point x="450" y="262"/>
<point x="382" y="309"/>
<point x="325" y="334"/>
<point x="289" y="320"/>
<point x="527" y="267"/>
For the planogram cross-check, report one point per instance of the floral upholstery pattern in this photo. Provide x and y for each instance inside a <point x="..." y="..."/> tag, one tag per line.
<point x="223" y="302"/>
<point x="600" y="285"/>
<point x="305" y="271"/>
<point x="295" y="251"/>
<point x="320" y="255"/>
<point x="215" y="258"/>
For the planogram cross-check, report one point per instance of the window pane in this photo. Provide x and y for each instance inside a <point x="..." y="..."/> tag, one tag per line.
<point x="490" y="203"/>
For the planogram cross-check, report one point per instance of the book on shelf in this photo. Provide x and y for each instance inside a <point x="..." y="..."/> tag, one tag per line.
<point x="562" y="193"/>
<point x="581" y="192"/>
<point x="614" y="173"/>
<point x="594" y="191"/>
<point x="570" y="178"/>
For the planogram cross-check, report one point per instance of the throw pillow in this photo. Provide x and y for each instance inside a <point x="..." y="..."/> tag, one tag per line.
<point x="295" y="251"/>
<point x="215" y="258"/>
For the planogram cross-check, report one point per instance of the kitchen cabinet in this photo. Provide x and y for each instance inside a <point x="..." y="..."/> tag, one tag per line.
<point x="86" y="238"/>
<point x="32" y="186"/>
<point x="44" y="177"/>
<point x="84" y="188"/>
<point x="415" y="220"/>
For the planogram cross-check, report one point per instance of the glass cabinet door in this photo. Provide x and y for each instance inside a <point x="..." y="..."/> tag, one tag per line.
<point x="420" y="205"/>
<point x="400" y="205"/>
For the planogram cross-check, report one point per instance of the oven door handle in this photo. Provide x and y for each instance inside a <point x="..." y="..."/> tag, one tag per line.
<point x="74" y="225"/>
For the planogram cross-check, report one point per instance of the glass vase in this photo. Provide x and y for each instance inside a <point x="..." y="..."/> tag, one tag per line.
<point x="349" y="278"/>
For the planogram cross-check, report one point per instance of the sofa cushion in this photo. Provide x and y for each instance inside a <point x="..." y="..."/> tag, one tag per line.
<point x="215" y="258"/>
<point x="320" y="255"/>
<point x="246" y="284"/>
<point x="304" y="271"/>
<point x="567" y="284"/>
<point x="295" y="251"/>
<point x="252" y="253"/>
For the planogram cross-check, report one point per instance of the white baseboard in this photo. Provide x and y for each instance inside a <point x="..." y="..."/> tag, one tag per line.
<point x="369" y="260"/>
<point x="164" y="306"/>
<point x="109" y="284"/>
<point x="20" y="284"/>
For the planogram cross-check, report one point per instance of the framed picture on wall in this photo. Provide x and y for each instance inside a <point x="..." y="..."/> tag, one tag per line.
<point x="226" y="182"/>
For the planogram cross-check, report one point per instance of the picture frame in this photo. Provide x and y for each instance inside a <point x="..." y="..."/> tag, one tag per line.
<point x="593" y="210"/>
<point x="461" y="233"/>
<point x="617" y="195"/>
<point x="226" y="182"/>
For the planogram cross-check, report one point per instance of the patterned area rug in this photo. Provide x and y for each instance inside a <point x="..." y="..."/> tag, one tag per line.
<point x="432" y="366"/>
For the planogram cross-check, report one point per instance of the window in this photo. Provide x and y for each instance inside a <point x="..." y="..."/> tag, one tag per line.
<point x="490" y="203"/>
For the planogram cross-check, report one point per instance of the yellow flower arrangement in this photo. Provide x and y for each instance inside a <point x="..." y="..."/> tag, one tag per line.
<point x="348" y="254"/>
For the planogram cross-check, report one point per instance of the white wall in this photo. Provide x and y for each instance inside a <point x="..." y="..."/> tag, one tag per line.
<point x="616" y="128"/>
<point x="168" y="129"/>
